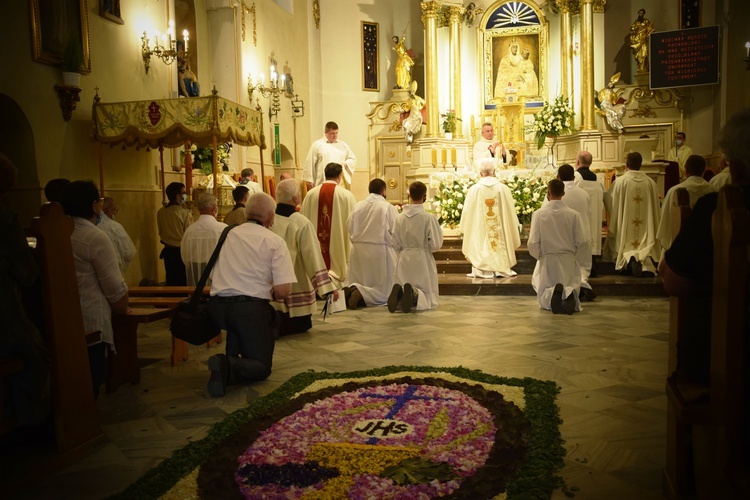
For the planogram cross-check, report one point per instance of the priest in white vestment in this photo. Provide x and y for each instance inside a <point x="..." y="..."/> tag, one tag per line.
<point x="328" y="207"/>
<point x="124" y="246"/>
<point x="633" y="221"/>
<point x="200" y="238"/>
<point x="327" y="150"/>
<point x="488" y="147"/>
<point x="696" y="187"/>
<point x="373" y="264"/>
<point x="489" y="226"/>
<point x="312" y="277"/>
<point x="416" y="235"/>
<point x="561" y="246"/>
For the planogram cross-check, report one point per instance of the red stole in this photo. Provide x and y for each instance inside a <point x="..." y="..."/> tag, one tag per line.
<point x="325" y="212"/>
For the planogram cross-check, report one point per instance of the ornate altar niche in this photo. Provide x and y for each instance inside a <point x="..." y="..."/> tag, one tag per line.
<point x="398" y="164"/>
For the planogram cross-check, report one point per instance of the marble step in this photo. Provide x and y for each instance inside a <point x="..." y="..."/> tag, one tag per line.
<point x="452" y="269"/>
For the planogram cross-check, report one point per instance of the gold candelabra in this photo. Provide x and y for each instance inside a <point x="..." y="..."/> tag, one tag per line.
<point x="274" y="91"/>
<point x="166" y="49"/>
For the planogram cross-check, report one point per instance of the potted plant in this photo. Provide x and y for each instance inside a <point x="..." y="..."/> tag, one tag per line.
<point x="450" y="123"/>
<point x="72" y="63"/>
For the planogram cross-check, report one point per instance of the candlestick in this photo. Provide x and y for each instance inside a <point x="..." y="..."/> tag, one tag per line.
<point x="185" y="38"/>
<point x="434" y="156"/>
<point x="444" y="155"/>
<point x="453" y="156"/>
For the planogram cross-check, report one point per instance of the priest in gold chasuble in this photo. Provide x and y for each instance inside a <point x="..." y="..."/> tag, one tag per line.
<point x="633" y="220"/>
<point x="489" y="226"/>
<point x="328" y="207"/>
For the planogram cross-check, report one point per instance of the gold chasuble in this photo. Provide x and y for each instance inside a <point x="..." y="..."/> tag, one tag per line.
<point x="325" y="212"/>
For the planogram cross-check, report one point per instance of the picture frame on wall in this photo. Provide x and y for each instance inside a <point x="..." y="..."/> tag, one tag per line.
<point x="515" y="62"/>
<point x="110" y="10"/>
<point x="54" y="24"/>
<point x="370" y="77"/>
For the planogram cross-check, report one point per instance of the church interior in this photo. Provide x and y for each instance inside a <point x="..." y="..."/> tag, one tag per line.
<point x="290" y="66"/>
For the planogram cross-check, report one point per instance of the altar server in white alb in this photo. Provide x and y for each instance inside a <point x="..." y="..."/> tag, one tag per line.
<point x="373" y="263"/>
<point x="696" y="187"/>
<point x="327" y="150"/>
<point x="633" y="221"/>
<point x="561" y="247"/>
<point x="312" y="277"/>
<point x="416" y="235"/>
<point x="328" y="207"/>
<point x="489" y="225"/>
<point x="488" y="147"/>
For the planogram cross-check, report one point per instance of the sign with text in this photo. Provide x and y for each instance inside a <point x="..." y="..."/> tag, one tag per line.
<point x="684" y="58"/>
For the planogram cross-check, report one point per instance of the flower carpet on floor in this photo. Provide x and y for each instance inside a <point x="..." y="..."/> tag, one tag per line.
<point x="395" y="432"/>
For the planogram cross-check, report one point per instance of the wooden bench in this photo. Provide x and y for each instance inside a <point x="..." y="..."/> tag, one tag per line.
<point x="169" y="297"/>
<point x="716" y="408"/>
<point x="123" y="366"/>
<point x="74" y="410"/>
<point x="729" y="350"/>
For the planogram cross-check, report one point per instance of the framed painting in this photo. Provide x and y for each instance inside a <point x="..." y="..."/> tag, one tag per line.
<point x="514" y="65"/>
<point x="110" y="9"/>
<point x="54" y="24"/>
<point x="370" y="80"/>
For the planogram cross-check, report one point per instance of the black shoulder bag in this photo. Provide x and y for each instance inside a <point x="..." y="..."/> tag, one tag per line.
<point x="191" y="323"/>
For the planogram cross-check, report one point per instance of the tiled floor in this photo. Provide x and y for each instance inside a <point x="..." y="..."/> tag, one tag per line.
<point x="609" y="360"/>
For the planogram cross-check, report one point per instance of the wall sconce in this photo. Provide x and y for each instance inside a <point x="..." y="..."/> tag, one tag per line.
<point x="747" y="55"/>
<point x="298" y="107"/>
<point x="276" y="89"/>
<point x="166" y="50"/>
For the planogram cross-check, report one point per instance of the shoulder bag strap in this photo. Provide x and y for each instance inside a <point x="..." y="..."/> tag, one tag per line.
<point x="198" y="293"/>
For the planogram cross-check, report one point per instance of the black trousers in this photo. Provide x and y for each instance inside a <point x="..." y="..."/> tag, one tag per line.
<point x="174" y="267"/>
<point x="251" y="327"/>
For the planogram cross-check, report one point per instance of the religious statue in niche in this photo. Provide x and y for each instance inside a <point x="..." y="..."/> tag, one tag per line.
<point x="187" y="81"/>
<point x="639" y="32"/>
<point x="611" y="104"/>
<point x="516" y="74"/>
<point x="411" y="114"/>
<point x="404" y="63"/>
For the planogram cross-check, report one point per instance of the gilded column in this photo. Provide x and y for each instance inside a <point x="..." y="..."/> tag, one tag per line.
<point x="566" y="8"/>
<point x="456" y="16"/>
<point x="430" y="21"/>
<point x="587" y="65"/>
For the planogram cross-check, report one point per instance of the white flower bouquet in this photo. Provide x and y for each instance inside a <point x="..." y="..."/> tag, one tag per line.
<point x="553" y="120"/>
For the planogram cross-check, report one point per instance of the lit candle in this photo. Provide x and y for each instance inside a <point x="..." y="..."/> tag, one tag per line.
<point x="170" y="32"/>
<point x="250" y="79"/>
<point x="262" y="79"/>
<point x="453" y="156"/>
<point x="185" y="38"/>
<point x="164" y="40"/>
<point x="444" y="155"/>
<point x="156" y="40"/>
<point x="434" y="155"/>
<point x="747" y="50"/>
<point x="283" y="77"/>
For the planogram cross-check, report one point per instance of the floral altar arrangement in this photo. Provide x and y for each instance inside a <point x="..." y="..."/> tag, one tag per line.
<point x="529" y="192"/>
<point x="204" y="157"/>
<point x="553" y="120"/>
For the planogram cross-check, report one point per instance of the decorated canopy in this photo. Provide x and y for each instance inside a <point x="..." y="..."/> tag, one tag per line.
<point x="171" y="122"/>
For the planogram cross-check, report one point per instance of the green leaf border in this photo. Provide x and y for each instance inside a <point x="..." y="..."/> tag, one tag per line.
<point x="537" y="478"/>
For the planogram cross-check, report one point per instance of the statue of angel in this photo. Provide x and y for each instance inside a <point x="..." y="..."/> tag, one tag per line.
<point x="611" y="105"/>
<point x="412" y="111"/>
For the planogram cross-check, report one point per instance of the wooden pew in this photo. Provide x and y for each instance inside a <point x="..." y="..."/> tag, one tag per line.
<point x="686" y="403"/>
<point x="74" y="409"/>
<point x="169" y="296"/>
<point x="729" y="350"/>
